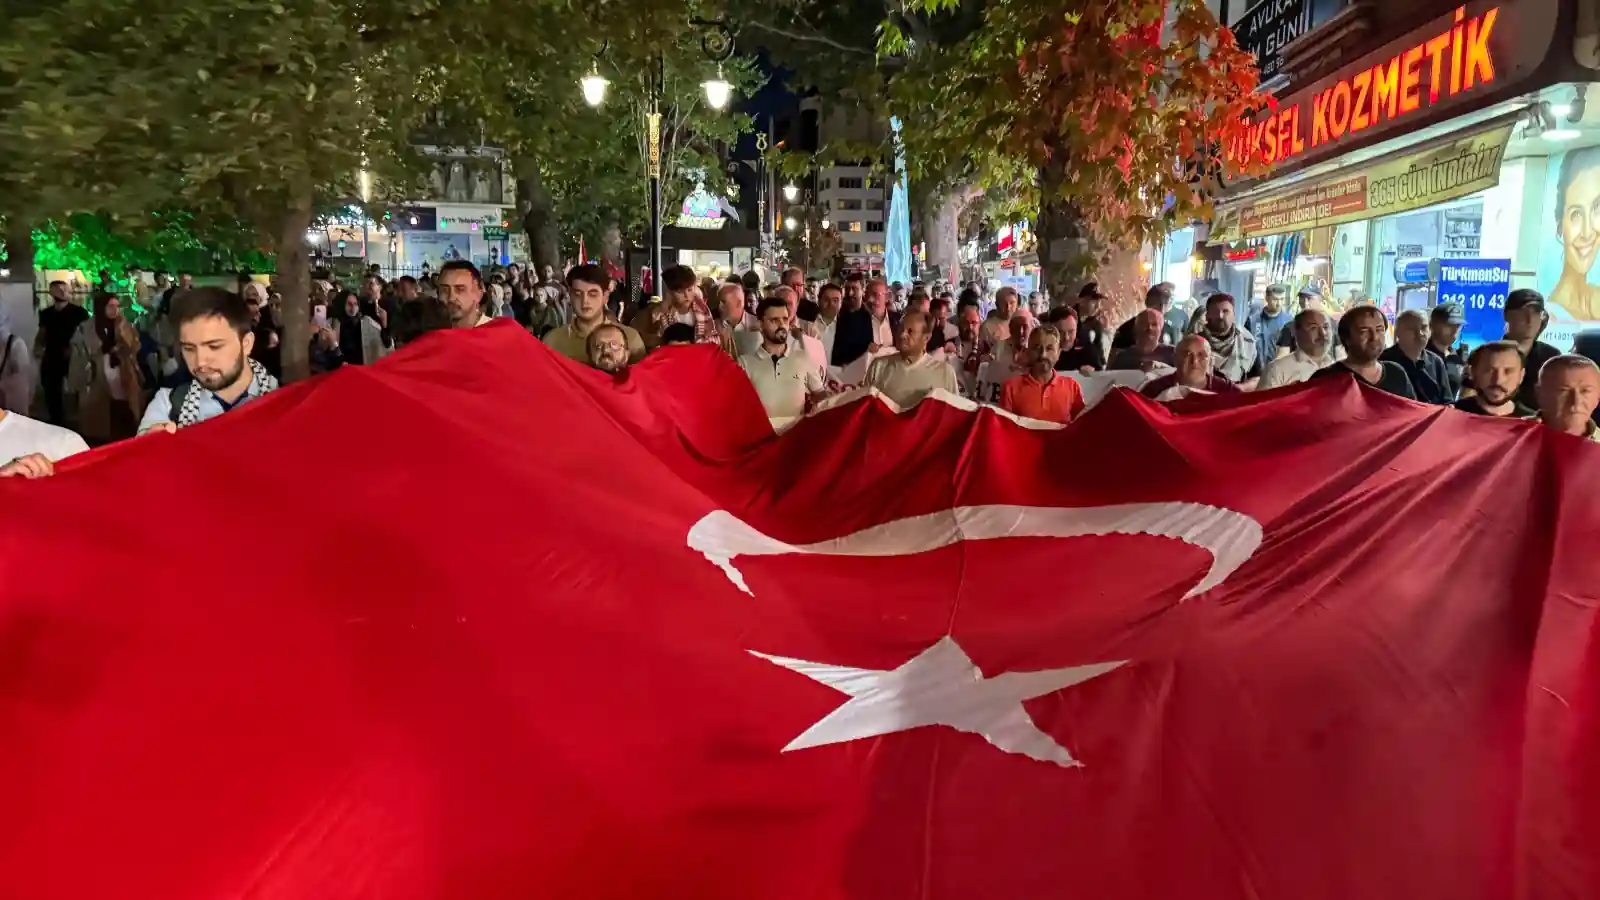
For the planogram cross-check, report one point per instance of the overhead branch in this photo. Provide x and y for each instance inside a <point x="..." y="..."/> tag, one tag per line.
<point x="813" y="37"/>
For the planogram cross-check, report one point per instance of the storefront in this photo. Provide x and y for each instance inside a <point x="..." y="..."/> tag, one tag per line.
<point x="1456" y="163"/>
<point x="430" y="236"/>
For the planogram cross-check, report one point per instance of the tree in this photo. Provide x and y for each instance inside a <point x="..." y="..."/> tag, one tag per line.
<point x="1093" y="113"/>
<point x="256" y="110"/>
<point x="582" y="170"/>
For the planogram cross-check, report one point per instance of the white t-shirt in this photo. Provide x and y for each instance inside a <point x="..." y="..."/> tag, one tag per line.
<point x="21" y="436"/>
<point x="906" y="383"/>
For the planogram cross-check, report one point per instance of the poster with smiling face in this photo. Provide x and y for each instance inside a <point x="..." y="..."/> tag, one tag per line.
<point x="1567" y="275"/>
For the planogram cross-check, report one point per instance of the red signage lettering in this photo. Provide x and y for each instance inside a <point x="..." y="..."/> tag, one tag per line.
<point x="1458" y="59"/>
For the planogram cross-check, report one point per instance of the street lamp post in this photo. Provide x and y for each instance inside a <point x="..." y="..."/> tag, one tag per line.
<point x="718" y="46"/>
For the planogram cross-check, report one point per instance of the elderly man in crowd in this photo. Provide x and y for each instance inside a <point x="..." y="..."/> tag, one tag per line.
<point x="1146" y="351"/>
<point x="1429" y="380"/>
<point x="1569" y="391"/>
<point x="1313" y="342"/>
<point x="909" y="375"/>
<point x="1194" y="373"/>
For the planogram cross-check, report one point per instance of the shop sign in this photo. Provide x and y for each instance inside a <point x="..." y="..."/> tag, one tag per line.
<point x="701" y="210"/>
<point x="1267" y="26"/>
<point x="1480" y="286"/>
<point x="1394" y="185"/>
<point x="1445" y="63"/>
<point x="468" y="219"/>
<point x="494" y="233"/>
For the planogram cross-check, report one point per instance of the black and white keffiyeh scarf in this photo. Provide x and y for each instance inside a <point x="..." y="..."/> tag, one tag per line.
<point x="261" y="381"/>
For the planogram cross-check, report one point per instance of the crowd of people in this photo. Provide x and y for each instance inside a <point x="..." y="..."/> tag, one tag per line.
<point x="190" y="353"/>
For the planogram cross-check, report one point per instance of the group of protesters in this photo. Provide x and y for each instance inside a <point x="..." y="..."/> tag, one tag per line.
<point x="192" y="353"/>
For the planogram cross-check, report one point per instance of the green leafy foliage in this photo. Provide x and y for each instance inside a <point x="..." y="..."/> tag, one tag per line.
<point x="1104" y="110"/>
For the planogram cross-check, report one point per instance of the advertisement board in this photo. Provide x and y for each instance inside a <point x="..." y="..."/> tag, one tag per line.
<point x="1392" y="185"/>
<point x="1566" y="272"/>
<point x="1480" y="286"/>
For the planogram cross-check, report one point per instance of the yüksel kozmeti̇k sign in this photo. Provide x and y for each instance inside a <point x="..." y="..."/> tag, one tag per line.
<point x="1392" y="185"/>
<point x="1472" y="57"/>
<point x="1456" y="60"/>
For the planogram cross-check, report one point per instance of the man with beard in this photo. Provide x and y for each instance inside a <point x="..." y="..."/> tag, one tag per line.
<point x="1233" y="349"/>
<point x="461" y="292"/>
<point x="215" y="337"/>
<point x="1496" y="374"/>
<point x="1313" y="351"/>
<point x="970" y="351"/>
<point x="608" y="348"/>
<point x="1429" y="381"/>
<point x="589" y="287"/>
<point x="1361" y="333"/>
<point x="1041" y="392"/>
<point x="784" y="377"/>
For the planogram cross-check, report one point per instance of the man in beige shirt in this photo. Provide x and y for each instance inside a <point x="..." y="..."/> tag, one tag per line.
<point x="588" y="286"/>
<point x="785" y="379"/>
<point x="909" y="375"/>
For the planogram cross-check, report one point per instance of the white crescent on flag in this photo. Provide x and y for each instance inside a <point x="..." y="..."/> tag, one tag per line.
<point x="1230" y="537"/>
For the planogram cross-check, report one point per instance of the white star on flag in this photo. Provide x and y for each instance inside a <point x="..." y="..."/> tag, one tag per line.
<point x="940" y="686"/>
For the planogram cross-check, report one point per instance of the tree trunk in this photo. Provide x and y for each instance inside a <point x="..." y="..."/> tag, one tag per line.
<point x="19" y="250"/>
<point x="538" y="217"/>
<point x="294" y="283"/>
<point x="943" y="232"/>
<point x="1069" y="258"/>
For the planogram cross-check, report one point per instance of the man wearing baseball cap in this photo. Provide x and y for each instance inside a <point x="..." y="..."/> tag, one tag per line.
<point x="1444" y="326"/>
<point x="1525" y="321"/>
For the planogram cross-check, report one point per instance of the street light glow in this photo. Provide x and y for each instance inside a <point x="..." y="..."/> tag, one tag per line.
<point x="826" y="224"/>
<point x="790" y="192"/>
<point x="594" y="87"/>
<point x="789" y="223"/>
<point x="718" y="90"/>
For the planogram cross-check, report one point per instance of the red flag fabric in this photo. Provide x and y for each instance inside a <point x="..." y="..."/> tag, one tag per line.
<point x="477" y="622"/>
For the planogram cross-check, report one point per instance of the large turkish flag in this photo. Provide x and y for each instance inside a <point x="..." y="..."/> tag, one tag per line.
<point x="478" y="623"/>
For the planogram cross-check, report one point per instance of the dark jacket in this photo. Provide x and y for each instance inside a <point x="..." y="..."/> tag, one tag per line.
<point x="1428" y="377"/>
<point x="854" y="335"/>
<point x="1455" y="368"/>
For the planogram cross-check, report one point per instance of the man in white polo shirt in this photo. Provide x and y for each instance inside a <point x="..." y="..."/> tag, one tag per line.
<point x="784" y="376"/>
<point x="30" y="448"/>
<point x="909" y="375"/>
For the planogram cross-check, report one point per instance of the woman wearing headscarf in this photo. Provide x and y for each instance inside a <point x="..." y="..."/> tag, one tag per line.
<point x="359" y="336"/>
<point x="105" y="374"/>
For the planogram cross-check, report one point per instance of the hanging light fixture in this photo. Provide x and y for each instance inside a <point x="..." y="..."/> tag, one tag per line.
<point x="718" y="90"/>
<point x="790" y="192"/>
<point x="594" y="86"/>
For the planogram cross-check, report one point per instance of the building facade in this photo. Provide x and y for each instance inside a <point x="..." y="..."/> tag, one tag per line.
<point x="1422" y="153"/>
